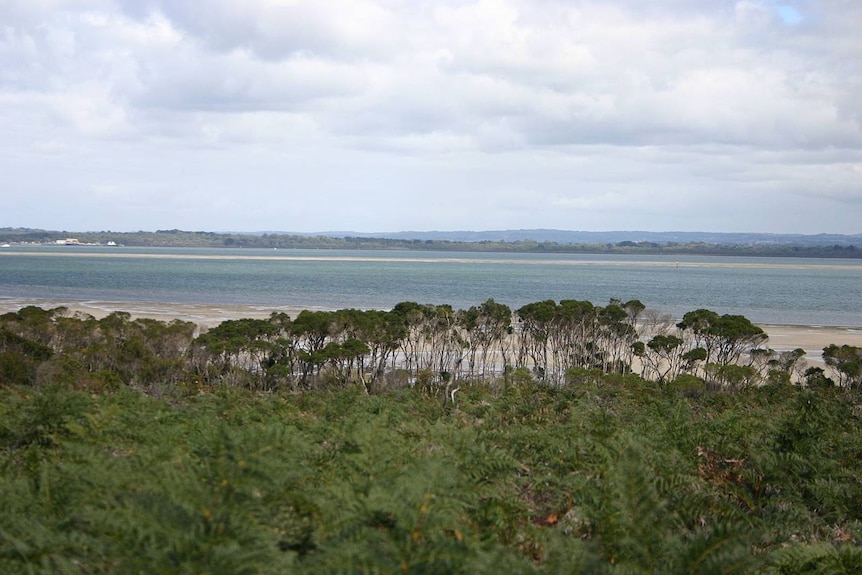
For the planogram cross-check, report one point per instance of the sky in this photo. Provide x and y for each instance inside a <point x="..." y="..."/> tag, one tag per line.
<point x="390" y="115"/>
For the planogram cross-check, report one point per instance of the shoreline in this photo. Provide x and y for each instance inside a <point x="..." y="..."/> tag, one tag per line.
<point x="782" y="337"/>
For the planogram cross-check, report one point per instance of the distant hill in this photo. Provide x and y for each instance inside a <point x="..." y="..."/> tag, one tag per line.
<point x="612" y="237"/>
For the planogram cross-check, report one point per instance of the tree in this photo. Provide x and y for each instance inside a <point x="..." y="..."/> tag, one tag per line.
<point x="310" y="331"/>
<point x="577" y="334"/>
<point x="618" y="331"/>
<point x="485" y="326"/>
<point x="791" y="363"/>
<point x="411" y="317"/>
<point x="382" y="332"/>
<point x="846" y="363"/>
<point x="693" y="359"/>
<point x="725" y="338"/>
<point x="535" y="321"/>
<point x="664" y="360"/>
<point x="344" y="358"/>
<point x="815" y="378"/>
<point x="19" y="358"/>
<point x="243" y="344"/>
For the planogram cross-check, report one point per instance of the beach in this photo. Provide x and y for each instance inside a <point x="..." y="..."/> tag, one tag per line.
<point x="781" y="337"/>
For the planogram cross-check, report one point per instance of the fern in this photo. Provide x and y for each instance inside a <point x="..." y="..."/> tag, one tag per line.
<point x="818" y="559"/>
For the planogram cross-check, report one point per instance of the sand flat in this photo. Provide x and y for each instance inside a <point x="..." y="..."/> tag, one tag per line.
<point x="810" y="338"/>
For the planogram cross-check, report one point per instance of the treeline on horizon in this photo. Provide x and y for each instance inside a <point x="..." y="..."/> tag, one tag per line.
<point x="425" y="440"/>
<point x="180" y="238"/>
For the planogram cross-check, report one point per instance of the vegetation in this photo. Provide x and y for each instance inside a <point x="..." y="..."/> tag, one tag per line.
<point x="425" y="440"/>
<point x="180" y="238"/>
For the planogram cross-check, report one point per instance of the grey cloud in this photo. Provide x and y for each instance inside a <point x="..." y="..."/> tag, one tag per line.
<point x="535" y="113"/>
<point x="237" y="82"/>
<point x="345" y="29"/>
<point x="557" y="73"/>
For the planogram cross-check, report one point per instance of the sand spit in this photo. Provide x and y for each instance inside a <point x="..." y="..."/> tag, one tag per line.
<point x="442" y="260"/>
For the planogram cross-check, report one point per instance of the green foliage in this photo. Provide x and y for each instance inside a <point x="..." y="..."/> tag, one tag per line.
<point x="846" y="362"/>
<point x="687" y="384"/>
<point x="610" y="477"/>
<point x="269" y="446"/>
<point x="724" y="338"/>
<point x="819" y="559"/>
<point x="732" y="376"/>
<point x="815" y="378"/>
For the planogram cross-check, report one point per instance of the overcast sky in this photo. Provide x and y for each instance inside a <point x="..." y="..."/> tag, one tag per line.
<point x="387" y="115"/>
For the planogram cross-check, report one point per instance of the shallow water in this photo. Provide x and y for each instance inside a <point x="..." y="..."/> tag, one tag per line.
<point x="792" y="291"/>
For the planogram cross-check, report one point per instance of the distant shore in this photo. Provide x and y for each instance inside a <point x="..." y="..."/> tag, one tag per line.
<point x="508" y="241"/>
<point x="781" y="337"/>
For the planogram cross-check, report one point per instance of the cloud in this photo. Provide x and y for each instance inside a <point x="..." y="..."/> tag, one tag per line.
<point x="541" y="113"/>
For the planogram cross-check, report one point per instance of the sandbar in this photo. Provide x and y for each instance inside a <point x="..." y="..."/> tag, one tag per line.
<point x="285" y="256"/>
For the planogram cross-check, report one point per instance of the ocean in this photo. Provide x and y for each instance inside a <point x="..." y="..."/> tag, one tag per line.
<point x="789" y="291"/>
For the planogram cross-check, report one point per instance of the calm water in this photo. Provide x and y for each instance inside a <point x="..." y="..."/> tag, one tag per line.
<point x="766" y="290"/>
